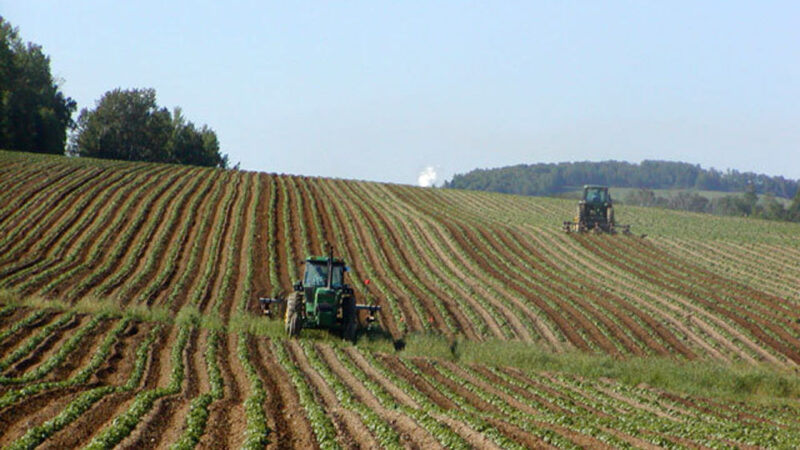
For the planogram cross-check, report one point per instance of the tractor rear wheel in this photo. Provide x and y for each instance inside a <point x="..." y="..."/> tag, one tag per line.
<point x="294" y="319"/>
<point x="349" y="319"/>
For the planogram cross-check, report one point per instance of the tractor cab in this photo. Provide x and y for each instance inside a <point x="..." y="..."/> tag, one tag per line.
<point x="596" y="195"/>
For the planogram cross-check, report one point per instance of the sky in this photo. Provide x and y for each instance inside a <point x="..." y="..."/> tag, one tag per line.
<point x="415" y="91"/>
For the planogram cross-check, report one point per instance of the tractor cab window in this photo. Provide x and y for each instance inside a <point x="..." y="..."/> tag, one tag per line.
<point x="317" y="275"/>
<point x="596" y="195"/>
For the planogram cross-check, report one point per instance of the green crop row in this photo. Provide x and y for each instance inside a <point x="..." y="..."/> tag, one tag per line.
<point x="100" y="233"/>
<point x="123" y="424"/>
<point x="69" y="346"/>
<point x="257" y="432"/>
<point x="74" y="409"/>
<point x="32" y="342"/>
<point x="445" y="435"/>
<point x="321" y="423"/>
<point x="197" y="417"/>
<point x="383" y="432"/>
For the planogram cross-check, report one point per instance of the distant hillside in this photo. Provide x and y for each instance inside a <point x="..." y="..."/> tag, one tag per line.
<point x="552" y="179"/>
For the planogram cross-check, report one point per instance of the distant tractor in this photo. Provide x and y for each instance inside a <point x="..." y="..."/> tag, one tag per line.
<point x="322" y="300"/>
<point x="595" y="213"/>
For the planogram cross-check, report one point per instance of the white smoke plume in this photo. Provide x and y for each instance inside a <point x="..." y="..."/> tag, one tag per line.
<point x="427" y="177"/>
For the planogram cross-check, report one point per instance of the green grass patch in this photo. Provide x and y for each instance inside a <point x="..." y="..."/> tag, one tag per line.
<point x="697" y="378"/>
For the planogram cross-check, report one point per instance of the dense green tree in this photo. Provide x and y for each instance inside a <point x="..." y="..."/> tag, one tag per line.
<point x="34" y="114"/>
<point x="129" y="125"/>
<point x="553" y="179"/>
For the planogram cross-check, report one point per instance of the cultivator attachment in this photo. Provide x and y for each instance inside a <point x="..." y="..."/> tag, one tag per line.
<point x="372" y="310"/>
<point x="578" y="227"/>
<point x="595" y="214"/>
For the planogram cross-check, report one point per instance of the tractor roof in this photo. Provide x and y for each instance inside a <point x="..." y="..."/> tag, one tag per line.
<point x="594" y="186"/>
<point x="324" y="259"/>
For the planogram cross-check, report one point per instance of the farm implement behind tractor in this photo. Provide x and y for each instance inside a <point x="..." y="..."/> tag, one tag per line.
<point x="595" y="213"/>
<point x="322" y="300"/>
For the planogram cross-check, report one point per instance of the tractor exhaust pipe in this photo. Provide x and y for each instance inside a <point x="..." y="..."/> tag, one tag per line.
<point x="330" y="266"/>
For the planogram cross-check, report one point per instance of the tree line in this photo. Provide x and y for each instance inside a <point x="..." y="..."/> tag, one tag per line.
<point x="748" y="204"/>
<point x="556" y="178"/>
<point x="126" y="124"/>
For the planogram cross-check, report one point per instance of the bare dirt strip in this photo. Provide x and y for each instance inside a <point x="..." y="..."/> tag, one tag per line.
<point x="751" y="322"/>
<point x="411" y="434"/>
<point x="227" y="421"/>
<point x="286" y="417"/>
<point x="32" y="187"/>
<point x="214" y="289"/>
<point x="388" y="243"/>
<point x="152" y="257"/>
<point x="397" y="244"/>
<point x="95" y="238"/>
<point x="311" y="220"/>
<point x="101" y="414"/>
<point x="351" y="431"/>
<point x="260" y="284"/>
<point x="281" y="233"/>
<point x="38" y="251"/>
<point x="41" y="214"/>
<point x="670" y="307"/>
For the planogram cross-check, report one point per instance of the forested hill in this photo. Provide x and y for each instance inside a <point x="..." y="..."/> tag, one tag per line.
<point x="550" y="179"/>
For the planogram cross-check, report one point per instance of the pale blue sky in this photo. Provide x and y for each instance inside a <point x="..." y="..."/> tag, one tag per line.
<point x="380" y="90"/>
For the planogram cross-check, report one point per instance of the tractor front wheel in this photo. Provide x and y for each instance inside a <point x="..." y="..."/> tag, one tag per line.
<point x="294" y="319"/>
<point x="349" y="319"/>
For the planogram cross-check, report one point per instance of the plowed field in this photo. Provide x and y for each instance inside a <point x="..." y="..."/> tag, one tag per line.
<point x="139" y="326"/>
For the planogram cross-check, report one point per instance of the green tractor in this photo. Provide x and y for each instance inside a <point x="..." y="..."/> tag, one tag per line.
<point x="322" y="300"/>
<point x="595" y="213"/>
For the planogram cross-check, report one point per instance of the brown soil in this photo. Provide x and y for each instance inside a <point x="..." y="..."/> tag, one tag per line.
<point x="143" y="273"/>
<point x="136" y="222"/>
<point x="412" y="435"/>
<point x="47" y="347"/>
<point x="121" y="362"/>
<point x="163" y="424"/>
<point x="287" y="420"/>
<point x="745" y="319"/>
<point x="136" y="247"/>
<point x="16" y="420"/>
<point x="351" y="432"/>
<point x="10" y="343"/>
<point x="86" y="242"/>
<point x="260" y="283"/>
<point x="227" y="420"/>
<point x="215" y="289"/>
<point x="45" y="213"/>
<point x="38" y="250"/>
<point x="414" y="261"/>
